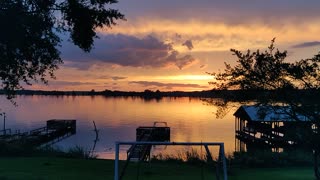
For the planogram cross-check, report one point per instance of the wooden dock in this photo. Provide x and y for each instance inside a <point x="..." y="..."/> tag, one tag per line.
<point x="147" y="133"/>
<point x="54" y="131"/>
<point x="153" y="133"/>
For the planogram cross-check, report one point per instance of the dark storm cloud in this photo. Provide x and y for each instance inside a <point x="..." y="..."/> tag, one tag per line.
<point x="127" y="50"/>
<point x="166" y="85"/>
<point x="188" y="44"/>
<point x="307" y="44"/>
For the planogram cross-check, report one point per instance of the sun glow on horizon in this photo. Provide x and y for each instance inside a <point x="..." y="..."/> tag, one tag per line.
<point x="185" y="77"/>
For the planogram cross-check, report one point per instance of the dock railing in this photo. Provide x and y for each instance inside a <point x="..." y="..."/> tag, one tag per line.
<point x="205" y="144"/>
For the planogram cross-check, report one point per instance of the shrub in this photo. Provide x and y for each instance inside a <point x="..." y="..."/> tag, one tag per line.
<point x="271" y="159"/>
<point x="191" y="157"/>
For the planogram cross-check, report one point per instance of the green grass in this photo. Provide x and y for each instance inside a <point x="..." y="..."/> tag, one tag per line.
<point x="292" y="173"/>
<point x="50" y="168"/>
<point x="34" y="168"/>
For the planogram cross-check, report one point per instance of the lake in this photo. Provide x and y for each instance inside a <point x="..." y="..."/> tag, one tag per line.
<point x="190" y="120"/>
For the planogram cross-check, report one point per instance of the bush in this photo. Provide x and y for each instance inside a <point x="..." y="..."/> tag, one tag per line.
<point x="80" y="152"/>
<point x="190" y="157"/>
<point x="271" y="159"/>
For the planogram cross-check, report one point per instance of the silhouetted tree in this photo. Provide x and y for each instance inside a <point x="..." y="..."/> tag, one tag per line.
<point x="29" y="35"/>
<point x="256" y="71"/>
<point x="282" y="85"/>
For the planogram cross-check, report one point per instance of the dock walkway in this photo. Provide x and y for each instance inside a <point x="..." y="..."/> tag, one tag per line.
<point x="54" y="131"/>
<point x="153" y="133"/>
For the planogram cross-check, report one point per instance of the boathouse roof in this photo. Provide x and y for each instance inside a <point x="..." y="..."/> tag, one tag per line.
<point x="268" y="113"/>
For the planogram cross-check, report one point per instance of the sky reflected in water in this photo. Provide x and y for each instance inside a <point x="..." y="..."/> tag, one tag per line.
<point x="190" y="119"/>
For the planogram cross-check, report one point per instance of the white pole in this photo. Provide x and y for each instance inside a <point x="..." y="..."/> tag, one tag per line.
<point x="116" y="163"/>
<point x="224" y="163"/>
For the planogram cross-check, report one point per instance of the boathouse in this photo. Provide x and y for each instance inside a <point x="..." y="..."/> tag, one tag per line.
<point x="274" y="128"/>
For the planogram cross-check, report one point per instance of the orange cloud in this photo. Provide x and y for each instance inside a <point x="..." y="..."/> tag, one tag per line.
<point x="217" y="36"/>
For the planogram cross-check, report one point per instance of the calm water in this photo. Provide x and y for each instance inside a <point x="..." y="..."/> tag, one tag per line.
<point x="190" y="119"/>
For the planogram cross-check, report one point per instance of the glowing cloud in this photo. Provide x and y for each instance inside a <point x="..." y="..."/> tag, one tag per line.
<point x="218" y="36"/>
<point x="131" y="51"/>
<point x="167" y="85"/>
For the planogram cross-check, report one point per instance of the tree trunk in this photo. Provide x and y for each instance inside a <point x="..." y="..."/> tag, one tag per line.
<point x="315" y="165"/>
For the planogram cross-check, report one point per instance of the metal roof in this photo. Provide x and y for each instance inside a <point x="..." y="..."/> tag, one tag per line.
<point x="269" y="113"/>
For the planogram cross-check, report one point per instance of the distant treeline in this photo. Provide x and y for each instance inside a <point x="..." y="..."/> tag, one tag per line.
<point x="224" y="94"/>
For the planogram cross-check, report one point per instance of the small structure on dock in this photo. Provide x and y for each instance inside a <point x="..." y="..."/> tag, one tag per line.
<point x="148" y="134"/>
<point x="54" y="131"/>
<point x="269" y="128"/>
<point x="142" y="152"/>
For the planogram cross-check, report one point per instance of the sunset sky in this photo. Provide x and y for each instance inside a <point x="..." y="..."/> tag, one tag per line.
<point x="170" y="44"/>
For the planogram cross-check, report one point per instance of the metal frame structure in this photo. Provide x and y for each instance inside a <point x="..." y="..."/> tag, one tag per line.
<point x="205" y="144"/>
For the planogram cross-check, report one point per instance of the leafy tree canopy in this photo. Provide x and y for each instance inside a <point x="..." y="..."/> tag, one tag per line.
<point x="29" y="35"/>
<point x="268" y="70"/>
<point x="280" y="84"/>
<point x="294" y="84"/>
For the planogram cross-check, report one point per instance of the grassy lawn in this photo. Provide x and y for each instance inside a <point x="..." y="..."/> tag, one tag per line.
<point x="54" y="168"/>
<point x="292" y="173"/>
<point x="60" y="169"/>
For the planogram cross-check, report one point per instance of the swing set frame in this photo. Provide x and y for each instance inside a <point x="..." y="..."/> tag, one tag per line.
<point x="205" y="144"/>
